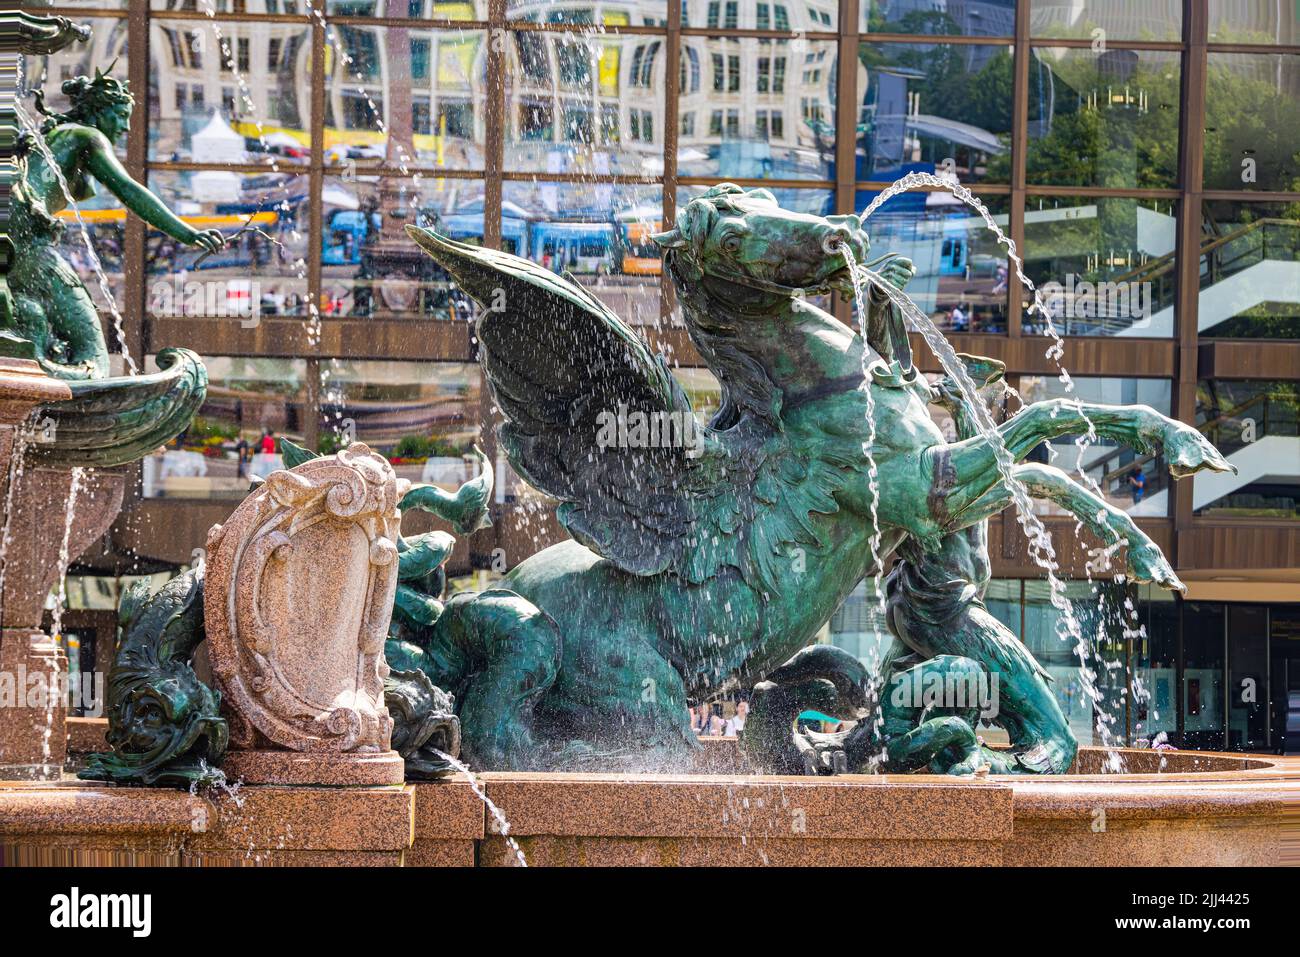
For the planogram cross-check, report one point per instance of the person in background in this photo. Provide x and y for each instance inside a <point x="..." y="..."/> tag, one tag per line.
<point x="243" y="451"/>
<point x="736" y="723"/>
<point x="1138" y="480"/>
<point x="267" y="443"/>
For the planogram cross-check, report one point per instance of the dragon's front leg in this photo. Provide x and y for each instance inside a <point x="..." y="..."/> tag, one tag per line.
<point x="963" y="472"/>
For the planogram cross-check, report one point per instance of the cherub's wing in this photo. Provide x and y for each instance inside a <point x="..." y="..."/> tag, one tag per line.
<point x="574" y="383"/>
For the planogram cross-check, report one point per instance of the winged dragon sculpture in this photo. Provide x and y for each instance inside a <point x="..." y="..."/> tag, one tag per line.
<point x="701" y="565"/>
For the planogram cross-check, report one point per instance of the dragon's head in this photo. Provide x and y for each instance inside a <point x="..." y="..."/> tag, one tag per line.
<point x="745" y="237"/>
<point x="167" y="725"/>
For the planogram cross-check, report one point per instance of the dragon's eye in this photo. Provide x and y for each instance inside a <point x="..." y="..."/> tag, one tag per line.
<point x="731" y="242"/>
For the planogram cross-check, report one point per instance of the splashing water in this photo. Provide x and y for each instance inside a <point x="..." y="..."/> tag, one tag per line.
<point x="105" y="288"/>
<point x="1100" y="558"/>
<point x="1041" y="550"/>
<point x="868" y="446"/>
<point x="503" y="826"/>
<point x="1055" y="351"/>
<point x="78" y="482"/>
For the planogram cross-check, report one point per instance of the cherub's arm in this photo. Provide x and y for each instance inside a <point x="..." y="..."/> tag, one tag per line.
<point x="105" y="167"/>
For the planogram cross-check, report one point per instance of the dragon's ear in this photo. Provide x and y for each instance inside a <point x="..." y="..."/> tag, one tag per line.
<point x="295" y="455"/>
<point x="672" y="239"/>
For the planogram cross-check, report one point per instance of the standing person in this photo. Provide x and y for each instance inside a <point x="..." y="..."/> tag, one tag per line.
<point x="1138" y="480"/>
<point x="736" y="723"/>
<point x="267" y="444"/>
<point x="244" y="451"/>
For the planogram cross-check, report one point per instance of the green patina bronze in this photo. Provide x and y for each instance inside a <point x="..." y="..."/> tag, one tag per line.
<point x="703" y="559"/>
<point x="52" y="309"/>
<point x="46" y="312"/>
<point x="164" y="724"/>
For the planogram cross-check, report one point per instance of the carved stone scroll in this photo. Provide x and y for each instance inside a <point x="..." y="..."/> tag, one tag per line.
<point x="299" y="591"/>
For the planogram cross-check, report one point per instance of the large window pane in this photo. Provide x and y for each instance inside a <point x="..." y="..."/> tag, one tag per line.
<point x="597" y="233"/>
<point x="1254" y="423"/>
<point x="584" y="103"/>
<point x="1102" y="20"/>
<point x="370" y="269"/>
<point x="221" y="7"/>
<point x="1154" y="715"/>
<point x="229" y="92"/>
<point x="423" y="416"/>
<point x="961" y="270"/>
<point x="1249" y="271"/>
<point x="1254" y="21"/>
<point x="251" y="404"/>
<point x="1097" y="610"/>
<point x="644" y="13"/>
<point x="404" y="96"/>
<point x="1131" y="480"/>
<point x="1105" y="265"/>
<point x="757" y="108"/>
<point x="1247" y="677"/>
<point x="1202" y="692"/>
<point x="264" y="219"/>
<point x="1252" y="121"/>
<point x="989" y="18"/>
<point x="396" y="9"/>
<point x="934" y="106"/>
<point x="1103" y="118"/>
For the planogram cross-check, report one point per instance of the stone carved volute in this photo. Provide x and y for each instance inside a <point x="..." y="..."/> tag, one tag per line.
<point x="300" y="585"/>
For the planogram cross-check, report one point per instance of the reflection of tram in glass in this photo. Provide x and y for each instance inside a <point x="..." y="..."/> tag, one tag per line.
<point x="581" y="247"/>
<point x="638" y="255"/>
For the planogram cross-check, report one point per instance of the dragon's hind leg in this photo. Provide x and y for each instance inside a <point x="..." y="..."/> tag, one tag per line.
<point x="500" y="654"/>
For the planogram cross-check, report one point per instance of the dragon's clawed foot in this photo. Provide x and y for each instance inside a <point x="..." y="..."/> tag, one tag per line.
<point x="1188" y="451"/>
<point x="1146" y="563"/>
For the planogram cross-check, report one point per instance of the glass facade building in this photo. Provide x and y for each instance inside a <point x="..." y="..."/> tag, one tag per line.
<point x="1141" y="157"/>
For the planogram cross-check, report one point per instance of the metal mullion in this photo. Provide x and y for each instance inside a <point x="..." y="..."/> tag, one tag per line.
<point x="1191" y="161"/>
<point x="494" y="120"/>
<point x="316" y="185"/>
<point x="75" y="13"/>
<point x="846" y="126"/>
<point x="672" y="132"/>
<point x="1244" y="196"/>
<point x="606" y="179"/>
<point x="198" y="15"/>
<point x="134" y="266"/>
<point x="1279" y="48"/>
<point x="407" y="24"/>
<point x="930" y="39"/>
<point x="987" y="189"/>
<point x="247" y="168"/>
<point x="1087" y="43"/>
<point x="746" y="34"/>
<point x="749" y="182"/>
<point x="1020" y="58"/>
<point x="592" y="29"/>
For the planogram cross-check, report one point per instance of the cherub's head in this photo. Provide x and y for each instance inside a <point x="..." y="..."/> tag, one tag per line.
<point x="734" y="233"/>
<point x="103" y="102"/>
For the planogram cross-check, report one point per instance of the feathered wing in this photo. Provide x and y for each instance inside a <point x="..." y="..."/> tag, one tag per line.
<point x="568" y="375"/>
